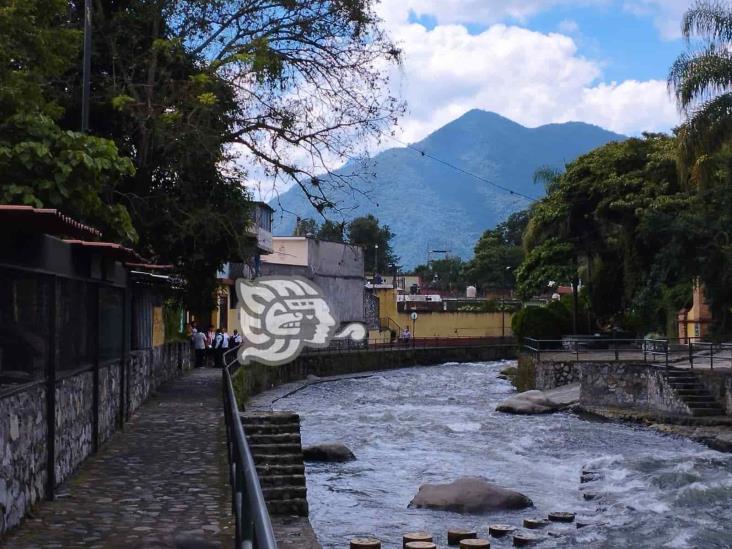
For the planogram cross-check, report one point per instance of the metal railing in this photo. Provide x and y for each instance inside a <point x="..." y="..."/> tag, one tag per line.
<point x="704" y="353"/>
<point x="578" y="347"/>
<point x="386" y="344"/>
<point x="680" y="352"/>
<point x="253" y="527"/>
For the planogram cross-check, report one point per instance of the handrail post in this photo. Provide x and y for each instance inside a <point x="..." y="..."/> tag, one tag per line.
<point x="711" y="356"/>
<point x="691" y="354"/>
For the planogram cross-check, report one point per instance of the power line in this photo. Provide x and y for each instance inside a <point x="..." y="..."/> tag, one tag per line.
<point x="461" y="170"/>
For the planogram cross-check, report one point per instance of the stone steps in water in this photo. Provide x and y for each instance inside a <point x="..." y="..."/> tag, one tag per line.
<point x="276" y="438"/>
<point x="269" y="480"/>
<point x="280" y="470"/>
<point x="298" y="507"/>
<point x="276" y="447"/>
<point x="270" y="449"/>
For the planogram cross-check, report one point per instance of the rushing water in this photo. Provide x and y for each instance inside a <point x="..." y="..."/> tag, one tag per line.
<point x="435" y="424"/>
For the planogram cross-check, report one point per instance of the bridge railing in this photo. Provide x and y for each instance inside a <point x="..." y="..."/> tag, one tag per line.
<point x="253" y="527"/>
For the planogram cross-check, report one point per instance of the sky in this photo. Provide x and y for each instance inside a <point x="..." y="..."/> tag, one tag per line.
<point x="603" y="62"/>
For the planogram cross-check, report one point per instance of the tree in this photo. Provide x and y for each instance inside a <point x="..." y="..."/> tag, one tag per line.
<point x="305" y="227"/>
<point x="312" y="77"/>
<point x="332" y="231"/>
<point x="40" y="164"/>
<point x="596" y="223"/>
<point x="193" y="91"/>
<point x="702" y="82"/>
<point x="497" y="254"/>
<point x="367" y="233"/>
<point x="443" y="274"/>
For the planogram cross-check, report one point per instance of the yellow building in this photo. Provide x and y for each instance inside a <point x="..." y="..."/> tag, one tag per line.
<point x="439" y="322"/>
<point x="694" y="322"/>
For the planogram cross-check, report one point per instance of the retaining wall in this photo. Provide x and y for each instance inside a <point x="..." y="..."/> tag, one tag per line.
<point x="549" y="375"/>
<point x="629" y="386"/>
<point x="24" y="432"/>
<point x="256" y="378"/>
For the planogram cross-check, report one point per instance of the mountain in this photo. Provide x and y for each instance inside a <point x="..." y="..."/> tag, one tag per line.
<point x="430" y="205"/>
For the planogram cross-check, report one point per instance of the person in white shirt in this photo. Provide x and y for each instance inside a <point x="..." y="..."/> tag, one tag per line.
<point x="199" y="347"/>
<point x="218" y="348"/>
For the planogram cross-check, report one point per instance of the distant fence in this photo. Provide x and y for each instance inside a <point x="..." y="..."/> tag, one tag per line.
<point x="384" y="345"/>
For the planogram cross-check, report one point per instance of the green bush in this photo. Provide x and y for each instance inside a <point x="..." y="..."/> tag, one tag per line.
<point x="550" y="322"/>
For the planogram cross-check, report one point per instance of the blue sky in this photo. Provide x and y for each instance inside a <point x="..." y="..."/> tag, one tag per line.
<point x="603" y="62"/>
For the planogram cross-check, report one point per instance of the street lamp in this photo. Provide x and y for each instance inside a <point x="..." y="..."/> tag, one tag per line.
<point x="376" y="258"/>
<point x="86" y="73"/>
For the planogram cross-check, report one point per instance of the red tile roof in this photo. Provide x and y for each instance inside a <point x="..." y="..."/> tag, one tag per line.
<point x="44" y="220"/>
<point x="110" y="249"/>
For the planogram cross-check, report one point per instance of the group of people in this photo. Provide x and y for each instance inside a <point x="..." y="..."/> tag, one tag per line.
<point x="210" y="345"/>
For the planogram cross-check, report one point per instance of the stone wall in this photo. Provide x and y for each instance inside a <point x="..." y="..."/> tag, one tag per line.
<point x="109" y="400"/>
<point x="256" y="378"/>
<point x="24" y="430"/>
<point x="629" y="386"/>
<point x="555" y="374"/>
<point x="23" y="436"/>
<point x="719" y="384"/>
<point x="74" y="422"/>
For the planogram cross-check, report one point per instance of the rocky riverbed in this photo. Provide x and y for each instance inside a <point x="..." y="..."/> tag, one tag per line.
<point x="436" y="424"/>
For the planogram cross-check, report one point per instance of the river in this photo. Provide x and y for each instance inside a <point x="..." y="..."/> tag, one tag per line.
<point x="435" y="424"/>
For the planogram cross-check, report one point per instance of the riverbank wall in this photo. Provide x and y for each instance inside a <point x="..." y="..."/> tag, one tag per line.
<point x="255" y="378"/>
<point x="635" y="386"/>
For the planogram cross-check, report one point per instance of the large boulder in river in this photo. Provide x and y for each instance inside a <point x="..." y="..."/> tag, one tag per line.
<point x="328" y="451"/>
<point x="541" y="402"/>
<point x="469" y="495"/>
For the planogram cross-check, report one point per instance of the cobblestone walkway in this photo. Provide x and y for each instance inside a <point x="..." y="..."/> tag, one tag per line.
<point x="162" y="483"/>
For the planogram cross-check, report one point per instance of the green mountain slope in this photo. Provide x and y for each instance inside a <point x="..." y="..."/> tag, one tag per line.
<point x="429" y="205"/>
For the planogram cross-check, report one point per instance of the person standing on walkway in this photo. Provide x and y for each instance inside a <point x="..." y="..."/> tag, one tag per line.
<point x="199" y="347"/>
<point x="218" y="349"/>
<point x="234" y="340"/>
<point x="209" y="345"/>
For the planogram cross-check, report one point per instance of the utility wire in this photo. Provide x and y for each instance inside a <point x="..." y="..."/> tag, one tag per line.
<point x="463" y="171"/>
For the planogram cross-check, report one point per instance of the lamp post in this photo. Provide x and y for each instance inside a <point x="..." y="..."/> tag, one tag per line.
<point x="86" y="77"/>
<point x="413" y="316"/>
<point x="376" y="259"/>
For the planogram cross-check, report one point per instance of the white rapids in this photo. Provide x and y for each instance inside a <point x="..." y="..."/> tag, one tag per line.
<point x="434" y="424"/>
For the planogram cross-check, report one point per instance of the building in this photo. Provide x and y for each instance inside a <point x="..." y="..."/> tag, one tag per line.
<point x="82" y="345"/>
<point x="694" y="323"/>
<point x="439" y="317"/>
<point x="337" y="268"/>
<point x="259" y="237"/>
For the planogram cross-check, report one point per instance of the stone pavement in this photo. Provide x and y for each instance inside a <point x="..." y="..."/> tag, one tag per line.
<point x="162" y="483"/>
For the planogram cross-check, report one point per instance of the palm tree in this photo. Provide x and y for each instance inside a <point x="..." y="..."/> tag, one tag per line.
<point x="701" y="80"/>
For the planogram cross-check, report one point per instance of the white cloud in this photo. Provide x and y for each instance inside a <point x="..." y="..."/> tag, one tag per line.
<point x="568" y="26"/>
<point x="666" y="14"/>
<point x="530" y="77"/>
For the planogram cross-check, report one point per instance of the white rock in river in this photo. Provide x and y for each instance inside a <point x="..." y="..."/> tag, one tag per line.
<point x="541" y="402"/>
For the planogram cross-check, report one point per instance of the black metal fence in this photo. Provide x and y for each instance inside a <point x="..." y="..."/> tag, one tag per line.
<point x="253" y="527"/>
<point x="689" y="352"/>
<point x="346" y="345"/>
